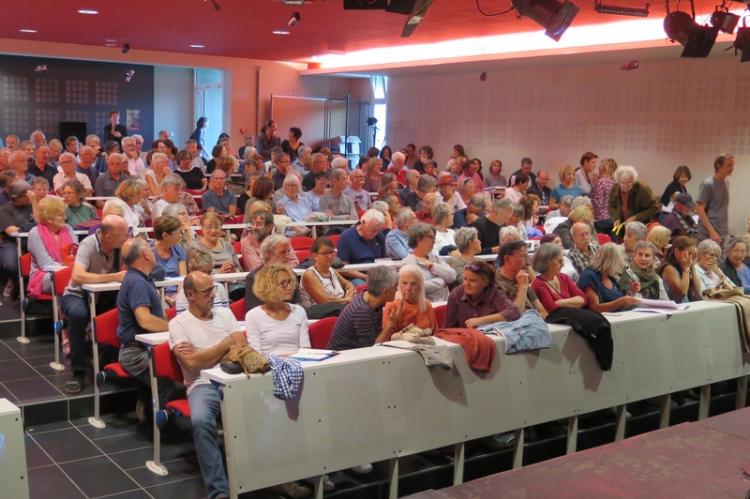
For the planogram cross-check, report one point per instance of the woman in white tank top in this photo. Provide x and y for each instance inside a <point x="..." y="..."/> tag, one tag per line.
<point x="322" y="284"/>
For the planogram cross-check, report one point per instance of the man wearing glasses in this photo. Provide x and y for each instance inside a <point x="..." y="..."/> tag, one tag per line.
<point x="200" y="337"/>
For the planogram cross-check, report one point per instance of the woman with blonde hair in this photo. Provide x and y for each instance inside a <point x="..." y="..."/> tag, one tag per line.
<point x="51" y="244"/>
<point x="600" y="195"/>
<point x="131" y="192"/>
<point x="159" y="171"/>
<point x="566" y="187"/>
<point x="659" y="236"/>
<point x="599" y="281"/>
<point x="409" y="307"/>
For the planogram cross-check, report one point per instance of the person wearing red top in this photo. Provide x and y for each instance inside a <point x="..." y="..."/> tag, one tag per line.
<point x="553" y="288"/>
<point x="397" y="167"/>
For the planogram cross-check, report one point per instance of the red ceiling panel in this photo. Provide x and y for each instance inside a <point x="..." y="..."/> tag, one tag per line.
<point x="242" y="28"/>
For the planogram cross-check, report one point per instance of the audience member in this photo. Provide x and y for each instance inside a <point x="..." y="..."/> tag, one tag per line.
<point x="598" y="281"/>
<point x="680" y="178"/>
<point x="634" y="232"/>
<point x="659" y="236"/>
<point x="713" y="201"/>
<point x="218" y="198"/>
<point x="680" y="221"/>
<point x="15" y="216"/>
<point x="225" y="258"/>
<point x="437" y="275"/>
<point x="398" y="168"/>
<point x="319" y="165"/>
<point x="190" y="172"/>
<point x="516" y="191"/>
<point x="467" y="247"/>
<point x="51" y="244"/>
<point x="526" y="165"/>
<point x="365" y="241"/>
<point x="631" y="200"/>
<point x="275" y="248"/>
<point x="442" y="217"/>
<point x="552" y="286"/>
<point x="107" y="182"/>
<point x="77" y="212"/>
<point x="19" y="164"/>
<point x="267" y="139"/>
<point x="410" y="306"/>
<point x="586" y="173"/>
<point x="540" y="189"/>
<point x="42" y="167"/>
<point x="678" y="271"/>
<point x="136" y="166"/>
<point x="68" y="172"/>
<point x="321" y="284"/>
<point x="356" y="191"/>
<point x="489" y="226"/>
<point x="200" y="260"/>
<point x="494" y="177"/>
<point x="338" y="204"/>
<point x="566" y="187"/>
<point x="168" y="252"/>
<point x="397" y="240"/>
<point x="734" y="266"/>
<point x="581" y="214"/>
<point x="707" y="267"/>
<point x="514" y="279"/>
<point x="130" y="194"/>
<point x="600" y="196"/>
<point x="169" y="189"/>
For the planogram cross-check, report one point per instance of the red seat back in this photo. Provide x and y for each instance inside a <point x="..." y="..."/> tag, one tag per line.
<point x="26" y="264"/>
<point x="361" y="287"/>
<point x="320" y="332"/>
<point x="301" y="242"/>
<point x="165" y="363"/>
<point x="238" y="309"/>
<point x="334" y="239"/>
<point x="603" y="238"/>
<point x="105" y="326"/>
<point x="171" y="312"/>
<point x="440" y="314"/>
<point x="302" y="254"/>
<point x="62" y="278"/>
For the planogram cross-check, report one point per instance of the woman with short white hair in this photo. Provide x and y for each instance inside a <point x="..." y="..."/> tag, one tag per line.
<point x="410" y="307"/>
<point x="631" y="200"/>
<point x="442" y="217"/>
<point x="707" y="267"/>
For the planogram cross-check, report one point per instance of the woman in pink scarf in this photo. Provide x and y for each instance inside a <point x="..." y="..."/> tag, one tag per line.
<point x="51" y="243"/>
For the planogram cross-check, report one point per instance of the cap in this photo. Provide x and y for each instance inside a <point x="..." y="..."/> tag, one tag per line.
<point x="685" y="199"/>
<point x="18" y="189"/>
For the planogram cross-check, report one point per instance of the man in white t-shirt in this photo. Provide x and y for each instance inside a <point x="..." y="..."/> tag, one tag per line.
<point x="200" y="337"/>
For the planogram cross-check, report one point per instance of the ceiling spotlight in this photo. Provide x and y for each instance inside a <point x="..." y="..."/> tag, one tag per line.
<point x="725" y="21"/>
<point x="620" y="11"/>
<point x="555" y="17"/>
<point x="293" y="19"/>
<point x="125" y="48"/>
<point x="279" y="32"/>
<point x="197" y="46"/>
<point x="742" y="43"/>
<point x="27" y="30"/>
<point x="88" y="12"/>
<point x="214" y="4"/>
<point x="698" y="40"/>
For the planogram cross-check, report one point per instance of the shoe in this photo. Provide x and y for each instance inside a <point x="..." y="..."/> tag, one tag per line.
<point x="75" y="385"/>
<point x="328" y="485"/>
<point x="140" y="410"/>
<point x="362" y="469"/>
<point x="292" y="490"/>
<point x="8" y="289"/>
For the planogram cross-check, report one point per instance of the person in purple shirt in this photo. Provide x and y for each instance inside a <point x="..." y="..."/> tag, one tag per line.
<point x="478" y="300"/>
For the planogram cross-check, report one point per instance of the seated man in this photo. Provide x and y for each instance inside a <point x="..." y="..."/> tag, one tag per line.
<point x="397" y="240"/>
<point x="514" y="277"/>
<point x="634" y="232"/>
<point x="108" y="182"/>
<point x="261" y="226"/>
<point x="364" y="242"/>
<point x="97" y="261"/>
<point x="408" y="195"/>
<point x="140" y="311"/>
<point x="200" y="337"/>
<point x="335" y="202"/>
<point x="68" y="172"/>
<point x="680" y="221"/>
<point x="583" y="249"/>
<point x="424" y="214"/>
<point x="360" y="322"/>
<point x="488" y="226"/>
<point x="218" y="198"/>
<point x="357" y="192"/>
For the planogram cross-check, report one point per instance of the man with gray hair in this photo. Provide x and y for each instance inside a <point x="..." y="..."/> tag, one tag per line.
<point x="583" y="249"/>
<point x="634" y="232"/>
<point x="67" y="172"/>
<point x="397" y="240"/>
<point x="365" y="242"/>
<point x="397" y="168"/>
<point x="338" y="204"/>
<point x="218" y="198"/>
<point x="304" y="160"/>
<point x="488" y="226"/>
<point x="360" y="322"/>
<point x="340" y="162"/>
<point x="42" y="167"/>
<point x="136" y="165"/>
<point x="107" y="183"/>
<point x="319" y="164"/>
<point x="87" y="163"/>
<point x="12" y="142"/>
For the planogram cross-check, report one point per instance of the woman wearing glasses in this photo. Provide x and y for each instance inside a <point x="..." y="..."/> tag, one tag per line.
<point x="320" y="283"/>
<point x="225" y="258"/>
<point x="478" y="300"/>
<point x="276" y="327"/>
<point x="437" y="274"/>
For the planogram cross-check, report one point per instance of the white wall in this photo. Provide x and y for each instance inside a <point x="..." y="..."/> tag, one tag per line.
<point x="173" y="102"/>
<point x="666" y="113"/>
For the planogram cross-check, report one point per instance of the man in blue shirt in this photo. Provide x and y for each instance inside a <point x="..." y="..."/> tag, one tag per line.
<point x="397" y="240"/>
<point x="365" y="242"/>
<point x="139" y="310"/>
<point x="217" y="198"/>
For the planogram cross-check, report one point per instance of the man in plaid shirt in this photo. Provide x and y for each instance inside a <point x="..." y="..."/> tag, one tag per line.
<point x="584" y="248"/>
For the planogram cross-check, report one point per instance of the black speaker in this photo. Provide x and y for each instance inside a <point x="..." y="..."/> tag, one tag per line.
<point x="365" y="4"/>
<point x="73" y="128"/>
<point x="405" y="7"/>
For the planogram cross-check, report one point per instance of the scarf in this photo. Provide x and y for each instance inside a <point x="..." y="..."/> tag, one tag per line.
<point x="649" y="282"/>
<point x="53" y="248"/>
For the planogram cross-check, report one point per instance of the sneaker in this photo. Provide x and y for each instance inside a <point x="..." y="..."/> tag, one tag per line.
<point x="8" y="289"/>
<point x="362" y="469"/>
<point x="75" y="385"/>
<point x="292" y="490"/>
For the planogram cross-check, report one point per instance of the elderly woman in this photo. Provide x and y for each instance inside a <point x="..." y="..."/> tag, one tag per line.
<point x="478" y="300"/>
<point x="599" y="284"/>
<point x="321" y="283"/>
<point x="78" y="212"/>
<point x="158" y="172"/>
<point x="442" y="217"/>
<point x="191" y="173"/>
<point x="659" y="236"/>
<point x="569" y="269"/>
<point x="169" y="194"/>
<point x="294" y="204"/>
<point x="734" y="266"/>
<point x="187" y="234"/>
<point x="168" y="251"/>
<point x="566" y="187"/>
<point x="275" y="248"/>
<point x="131" y="193"/>
<point x="51" y="244"/>
<point x="553" y="287"/>
<point x="211" y="239"/>
<point x="707" y="266"/>
<point x="631" y="200"/>
<point x="276" y="327"/>
<point x="468" y="246"/>
<point x="437" y="275"/>
<point x="410" y="306"/>
<point x="642" y="268"/>
<point x="600" y="195"/>
<point x="678" y="271"/>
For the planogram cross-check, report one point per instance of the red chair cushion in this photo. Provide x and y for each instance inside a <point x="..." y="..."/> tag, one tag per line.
<point x="320" y="332"/>
<point x="116" y="369"/>
<point x="181" y="406"/>
<point x="440" y="312"/>
<point x="603" y="238"/>
<point x="238" y="309"/>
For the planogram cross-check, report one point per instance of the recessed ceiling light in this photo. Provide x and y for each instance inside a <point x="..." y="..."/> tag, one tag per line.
<point x="197" y="46"/>
<point x="280" y="32"/>
<point x="88" y="12"/>
<point x="110" y="45"/>
<point x="27" y="30"/>
<point x="110" y="40"/>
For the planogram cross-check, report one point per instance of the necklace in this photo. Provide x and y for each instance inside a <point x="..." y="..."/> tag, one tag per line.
<point x="555" y="286"/>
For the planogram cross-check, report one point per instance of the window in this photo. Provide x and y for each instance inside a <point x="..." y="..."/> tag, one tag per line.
<point x="209" y="101"/>
<point x="380" y="94"/>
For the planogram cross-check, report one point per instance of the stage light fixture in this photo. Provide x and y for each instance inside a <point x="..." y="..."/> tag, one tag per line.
<point x="725" y="21"/>
<point x="698" y="40"/>
<point x="555" y="17"/>
<point x="620" y="11"/>
<point x="742" y="43"/>
<point x="293" y="19"/>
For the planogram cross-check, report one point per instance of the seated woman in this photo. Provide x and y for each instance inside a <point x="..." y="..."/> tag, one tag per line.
<point x="566" y="187"/>
<point x="598" y="282"/>
<point x="678" y="271"/>
<point x="530" y="220"/>
<point x="131" y="193"/>
<point x="410" y="306"/>
<point x="478" y="300"/>
<point x="294" y="204"/>
<point x="77" y="212"/>
<point x="442" y="217"/>
<point x="200" y="259"/>
<point x="437" y="274"/>
<point x="158" y="171"/>
<point x="642" y="268"/>
<point x="468" y="246"/>
<point x="245" y="196"/>
<point x="320" y="283"/>
<point x="360" y="323"/>
<point x="262" y="190"/>
<point x="659" y="236"/>
<point x="168" y="251"/>
<point x="51" y="244"/>
<point x="552" y="286"/>
<point x="187" y="234"/>
<point x="192" y="174"/>
<point x="707" y="266"/>
<point x="494" y="178"/>
<point x="734" y="266"/>
<point x="276" y="327"/>
<point x="568" y="268"/>
<point x="211" y="239"/>
<point x="373" y="171"/>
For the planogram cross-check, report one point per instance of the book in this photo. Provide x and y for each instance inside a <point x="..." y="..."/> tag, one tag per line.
<point x="313" y="354"/>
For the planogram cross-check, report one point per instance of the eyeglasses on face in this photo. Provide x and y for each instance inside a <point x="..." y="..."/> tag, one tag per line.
<point x="285" y="283"/>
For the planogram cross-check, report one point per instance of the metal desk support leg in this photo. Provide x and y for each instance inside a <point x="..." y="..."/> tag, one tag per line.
<point x="572" y="442"/>
<point x="318" y="491"/>
<point x="620" y="425"/>
<point x="22" y="296"/>
<point x="518" y="450"/>
<point x="741" y="400"/>
<point x="95" y="421"/>
<point x="665" y="410"/>
<point x="705" y="402"/>
<point x="393" y="476"/>
<point x="154" y="465"/>
<point x="458" y="463"/>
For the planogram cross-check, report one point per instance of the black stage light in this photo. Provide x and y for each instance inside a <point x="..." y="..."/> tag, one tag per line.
<point x="742" y="43"/>
<point x="725" y="21"/>
<point x="698" y="40"/>
<point x="555" y="17"/>
<point x="293" y="19"/>
<point x="365" y="4"/>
